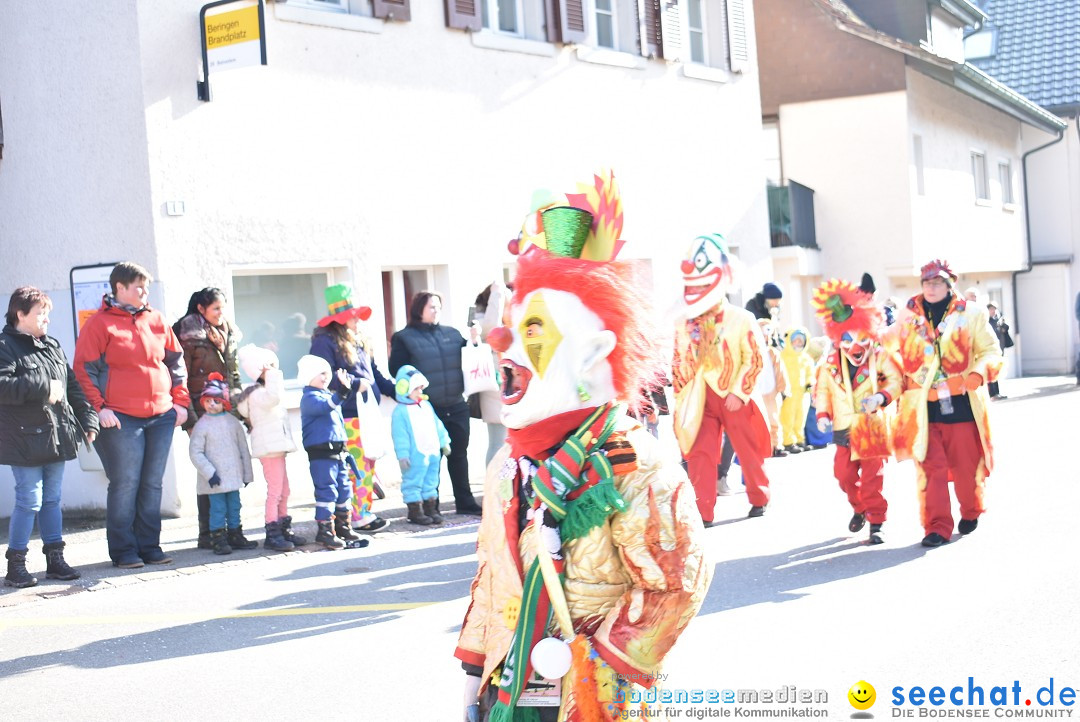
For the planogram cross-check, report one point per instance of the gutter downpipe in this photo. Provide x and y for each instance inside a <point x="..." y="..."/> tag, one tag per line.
<point x="1027" y="226"/>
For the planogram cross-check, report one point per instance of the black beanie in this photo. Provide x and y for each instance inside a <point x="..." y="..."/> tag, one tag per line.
<point x="771" y="290"/>
<point x="867" y="284"/>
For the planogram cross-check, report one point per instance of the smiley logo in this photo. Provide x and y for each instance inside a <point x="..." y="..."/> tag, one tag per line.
<point x="862" y="695"/>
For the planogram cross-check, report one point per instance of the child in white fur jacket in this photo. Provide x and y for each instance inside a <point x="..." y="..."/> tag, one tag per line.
<point x="262" y="405"/>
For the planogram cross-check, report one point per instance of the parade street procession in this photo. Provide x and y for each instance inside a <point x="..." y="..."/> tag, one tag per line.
<point x="539" y="360"/>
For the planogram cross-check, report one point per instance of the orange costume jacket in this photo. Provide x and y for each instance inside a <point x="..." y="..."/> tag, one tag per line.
<point x="839" y="397"/>
<point x="632" y="584"/>
<point x="965" y="345"/>
<point x="724" y="350"/>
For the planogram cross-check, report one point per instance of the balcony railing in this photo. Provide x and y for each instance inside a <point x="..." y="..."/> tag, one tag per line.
<point x="791" y="215"/>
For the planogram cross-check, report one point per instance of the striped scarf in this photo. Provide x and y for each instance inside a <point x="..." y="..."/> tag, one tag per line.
<point x="575" y="493"/>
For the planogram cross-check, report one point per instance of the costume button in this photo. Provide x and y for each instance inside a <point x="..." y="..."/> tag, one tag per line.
<point x="510" y="613"/>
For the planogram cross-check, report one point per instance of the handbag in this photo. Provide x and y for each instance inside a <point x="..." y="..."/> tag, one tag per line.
<point x="372" y="427"/>
<point x="474" y="407"/>
<point x="478" y="369"/>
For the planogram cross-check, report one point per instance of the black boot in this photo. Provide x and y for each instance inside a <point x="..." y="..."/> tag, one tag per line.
<point x="17" y="576"/>
<point x="238" y="541"/>
<point x="966" y="526"/>
<point x="325" y="535"/>
<point x="857" y="522"/>
<point x="417" y="515"/>
<point x="286" y="532"/>
<point x="875" y="534"/>
<point x="56" y="567"/>
<point x="220" y="542"/>
<point x="341" y="525"/>
<point x="431" y="508"/>
<point x="274" y="540"/>
<point x="203" y="505"/>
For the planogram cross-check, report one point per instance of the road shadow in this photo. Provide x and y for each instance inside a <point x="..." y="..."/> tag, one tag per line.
<point x="379" y="584"/>
<point x="1041" y="392"/>
<point x="777" y="576"/>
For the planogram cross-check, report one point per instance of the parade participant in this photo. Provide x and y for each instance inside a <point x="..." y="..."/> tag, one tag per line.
<point x="856" y="382"/>
<point x="799" y="368"/>
<point x="948" y="353"/>
<point x="773" y="386"/>
<point x="263" y="405"/>
<point x="420" y="442"/>
<point x="620" y="565"/>
<point x="324" y="436"/>
<point x="219" y="452"/>
<point x="719" y="354"/>
<point x="765" y="305"/>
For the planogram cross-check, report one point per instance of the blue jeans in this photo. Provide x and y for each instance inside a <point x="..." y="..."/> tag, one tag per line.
<point x="224" y="510"/>
<point x="134" y="458"/>
<point x="332" y="487"/>
<point x="37" y="494"/>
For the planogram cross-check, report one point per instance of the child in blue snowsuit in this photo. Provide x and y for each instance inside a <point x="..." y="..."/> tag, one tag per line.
<point x="324" y="441"/>
<point x="419" y="439"/>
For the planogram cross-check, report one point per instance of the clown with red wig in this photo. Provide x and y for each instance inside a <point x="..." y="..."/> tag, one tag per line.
<point x="856" y="382"/>
<point x="948" y="352"/>
<point x="590" y="559"/>
<point x="719" y="356"/>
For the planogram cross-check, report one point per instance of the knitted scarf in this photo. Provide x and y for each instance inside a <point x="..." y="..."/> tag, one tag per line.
<point x="575" y="492"/>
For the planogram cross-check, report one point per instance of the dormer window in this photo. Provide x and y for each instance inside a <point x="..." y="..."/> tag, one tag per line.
<point x="982" y="44"/>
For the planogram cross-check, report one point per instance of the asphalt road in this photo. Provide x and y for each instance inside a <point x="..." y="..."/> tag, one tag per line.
<point x="797" y="602"/>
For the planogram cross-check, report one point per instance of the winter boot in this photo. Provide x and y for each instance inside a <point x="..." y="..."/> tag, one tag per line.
<point x="238" y="541"/>
<point x="286" y="532"/>
<point x="431" y="508"/>
<point x="220" y="541"/>
<point x="274" y="540"/>
<point x="17" y="576"/>
<point x="56" y="567"/>
<point x="341" y="525"/>
<point x="417" y="515"/>
<point x="325" y="535"/>
<point x="858" y="519"/>
<point x="875" y="534"/>
<point x="205" y="541"/>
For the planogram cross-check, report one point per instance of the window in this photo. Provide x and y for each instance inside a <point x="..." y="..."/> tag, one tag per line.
<point x="399" y="285"/>
<point x="1005" y="177"/>
<point x="978" y="173"/>
<point x="605" y="24"/>
<point x="916" y="151"/>
<point x="278" y="310"/>
<point x="345" y="7"/>
<point x="982" y="44"/>
<point x="503" y="16"/>
<point x="695" y="30"/>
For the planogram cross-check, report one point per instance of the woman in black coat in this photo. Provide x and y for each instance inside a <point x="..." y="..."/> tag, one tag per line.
<point x="435" y="350"/>
<point x="43" y="418"/>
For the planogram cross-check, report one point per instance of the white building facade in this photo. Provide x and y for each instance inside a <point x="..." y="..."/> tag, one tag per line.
<point x="393" y="153"/>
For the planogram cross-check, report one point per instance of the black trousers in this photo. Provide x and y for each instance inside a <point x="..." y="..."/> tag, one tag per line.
<point x="203" y="505"/>
<point x="456" y="420"/>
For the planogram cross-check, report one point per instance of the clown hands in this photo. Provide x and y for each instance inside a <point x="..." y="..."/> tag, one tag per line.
<point x="872" y="403"/>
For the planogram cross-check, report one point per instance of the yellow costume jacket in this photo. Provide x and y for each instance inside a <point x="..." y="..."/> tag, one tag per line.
<point x="632" y="584"/>
<point x="965" y="344"/>
<point x="722" y="348"/>
<point x="839" y="397"/>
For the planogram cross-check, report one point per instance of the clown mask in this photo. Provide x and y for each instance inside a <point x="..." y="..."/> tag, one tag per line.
<point x="707" y="274"/>
<point x="855" y="346"/>
<point x="554" y="358"/>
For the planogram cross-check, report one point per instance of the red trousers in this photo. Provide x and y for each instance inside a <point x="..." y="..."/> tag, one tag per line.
<point x="701" y="462"/>
<point x="861" y="480"/>
<point x="951" y="449"/>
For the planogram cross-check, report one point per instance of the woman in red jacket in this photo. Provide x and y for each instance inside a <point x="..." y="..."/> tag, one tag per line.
<point x="131" y="368"/>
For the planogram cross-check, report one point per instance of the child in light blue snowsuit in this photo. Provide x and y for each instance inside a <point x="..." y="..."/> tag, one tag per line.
<point x="419" y="439"/>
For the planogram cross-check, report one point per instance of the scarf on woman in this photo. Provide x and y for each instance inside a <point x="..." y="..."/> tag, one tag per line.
<point x="574" y="493"/>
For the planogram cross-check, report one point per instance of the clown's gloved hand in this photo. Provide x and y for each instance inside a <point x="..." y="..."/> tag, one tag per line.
<point x="445" y="450"/>
<point x="973" y="381"/>
<point x="823" y="423"/>
<point x="215" y="480"/>
<point x="472" y="703"/>
<point x="872" y="403"/>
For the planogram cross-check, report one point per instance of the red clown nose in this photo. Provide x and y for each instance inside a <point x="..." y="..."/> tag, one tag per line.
<point x="500" y="339"/>
<point x="687" y="267"/>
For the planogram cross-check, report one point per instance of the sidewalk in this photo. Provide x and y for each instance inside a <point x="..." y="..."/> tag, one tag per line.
<point x="87" y="549"/>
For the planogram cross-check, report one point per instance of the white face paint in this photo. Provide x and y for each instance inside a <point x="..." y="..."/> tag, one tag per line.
<point x="704" y="281"/>
<point x="557" y="344"/>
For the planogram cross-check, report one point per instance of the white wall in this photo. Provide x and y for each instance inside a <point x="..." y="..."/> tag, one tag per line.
<point x="360" y="150"/>
<point x="851" y="152"/>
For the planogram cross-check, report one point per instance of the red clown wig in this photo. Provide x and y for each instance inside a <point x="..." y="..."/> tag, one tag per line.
<point x="843" y="308"/>
<point x="613" y="291"/>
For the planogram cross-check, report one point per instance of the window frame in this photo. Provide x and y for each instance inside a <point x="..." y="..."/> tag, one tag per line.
<point x="1008" y="198"/>
<point x="703" y="30"/>
<point x="919" y="162"/>
<point x="491" y="11"/>
<point x="396" y="317"/>
<point x="980" y="155"/>
<point x="594" y="33"/>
